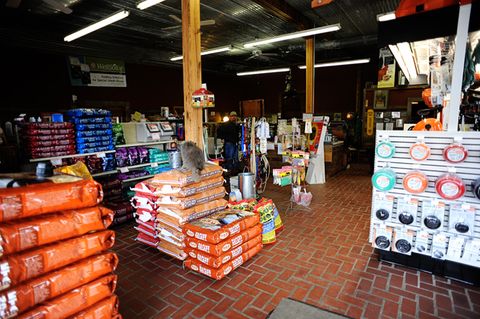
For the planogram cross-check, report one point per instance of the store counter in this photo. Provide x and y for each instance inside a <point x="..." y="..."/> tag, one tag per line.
<point x="335" y="158"/>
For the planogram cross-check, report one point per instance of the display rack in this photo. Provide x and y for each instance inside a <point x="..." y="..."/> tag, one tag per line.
<point x="433" y="167"/>
<point x="145" y="144"/>
<point x="127" y="168"/>
<point x="35" y="160"/>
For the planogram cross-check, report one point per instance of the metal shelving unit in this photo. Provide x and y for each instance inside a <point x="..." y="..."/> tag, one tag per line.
<point x="127" y="168"/>
<point x="68" y="156"/>
<point x="145" y="144"/>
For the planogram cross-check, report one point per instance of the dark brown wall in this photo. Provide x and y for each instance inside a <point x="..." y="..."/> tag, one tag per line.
<point x="35" y="82"/>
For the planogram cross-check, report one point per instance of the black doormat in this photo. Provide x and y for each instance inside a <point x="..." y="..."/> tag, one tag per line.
<point x="293" y="309"/>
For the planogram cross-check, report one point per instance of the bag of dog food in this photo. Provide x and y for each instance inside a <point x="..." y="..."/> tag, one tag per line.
<point x="265" y="209"/>
<point x="107" y="308"/>
<point x="171" y="249"/>
<point x="182" y="216"/>
<point x="168" y="233"/>
<point x="245" y="204"/>
<point x="182" y="177"/>
<point x="36" y="199"/>
<point x="55" y="283"/>
<point x="221" y="225"/>
<point x="33" y="232"/>
<point x="216" y="262"/>
<point x="21" y="267"/>
<point x="226" y="245"/>
<point x="190" y="201"/>
<point x="74" y="301"/>
<point x="219" y="273"/>
<point x="151" y="188"/>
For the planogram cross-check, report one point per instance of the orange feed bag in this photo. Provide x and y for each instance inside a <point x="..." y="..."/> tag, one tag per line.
<point x="150" y="188"/>
<point x="222" y="225"/>
<point x="35" y="291"/>
<point x="44" y="198"/>
<point x="107" y="308"/>
<point x="226" y="245"/>
<point x="219" y="273"/>
<point x="20" y="267"/>
<point x="74" y="301"/>
<point x="182" y="177"/>
<point x="33" y="232"/>
<point x="216" y="262"/>
<point x="181" y="216"/>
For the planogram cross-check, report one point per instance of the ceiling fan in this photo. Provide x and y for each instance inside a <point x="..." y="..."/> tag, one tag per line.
<point x="259" y="55"/>
<point x="203" y="23"/>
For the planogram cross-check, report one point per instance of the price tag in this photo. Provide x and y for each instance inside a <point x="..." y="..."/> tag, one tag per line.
<point x="123" y="169"/>
<point x="155" y="136"/>
<point x="154" y="164"/>
<point x="56" y="162"/>
<point x="102" y="155"/>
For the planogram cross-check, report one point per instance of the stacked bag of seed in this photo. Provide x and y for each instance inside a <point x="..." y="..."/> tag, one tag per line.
<point x="54" y="261"/>
<point x="93" y="130"/>
<point x="221" y="242"/>
<point x="49" y="139"/>
<point x="171" y="199"/>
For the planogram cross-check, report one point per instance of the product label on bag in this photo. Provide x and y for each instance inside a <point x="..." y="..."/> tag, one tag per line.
<point x="34" y="265"/>
<point x="28" y="237"/>
<point x="5" y="276"/>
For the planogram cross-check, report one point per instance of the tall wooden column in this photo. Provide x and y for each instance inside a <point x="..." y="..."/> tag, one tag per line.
<point x="310" y="75"/>
<point x="192" y="69"/>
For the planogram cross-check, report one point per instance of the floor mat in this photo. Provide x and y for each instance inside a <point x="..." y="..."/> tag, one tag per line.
<point x="289" y="308"/>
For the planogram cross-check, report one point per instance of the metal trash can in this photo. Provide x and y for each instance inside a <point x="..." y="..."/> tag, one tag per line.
<point x="246" y="184"/>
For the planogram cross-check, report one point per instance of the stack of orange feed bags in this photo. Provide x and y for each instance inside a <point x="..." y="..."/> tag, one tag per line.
<point x="171" y="199"/>
<point x="220" y="243"/>
<point x="54" y="261"/>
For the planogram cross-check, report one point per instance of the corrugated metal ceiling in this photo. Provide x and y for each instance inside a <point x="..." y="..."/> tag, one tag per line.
<point x="153" y="35"/>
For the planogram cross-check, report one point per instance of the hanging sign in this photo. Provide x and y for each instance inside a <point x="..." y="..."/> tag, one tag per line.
<point x="88" y="71"/>
<point x="386" y="71"/>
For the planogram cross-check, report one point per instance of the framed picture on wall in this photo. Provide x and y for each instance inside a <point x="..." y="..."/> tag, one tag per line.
<point x="380" y="100"/>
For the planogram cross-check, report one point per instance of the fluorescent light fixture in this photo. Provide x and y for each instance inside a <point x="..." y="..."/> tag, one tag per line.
<point x="404" y="57"/>
<point x="142" y="5"/>
<point x="338" y="63"/>
<point x="263" y="71"/>
<point x="294" y="35"/>
<point x="386" y="16"/>
<point x="97" y="25"/>
<point x="206" y="52"/>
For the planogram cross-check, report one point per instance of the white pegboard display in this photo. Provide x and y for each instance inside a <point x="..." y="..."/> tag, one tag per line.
<point x="426" y="223"/>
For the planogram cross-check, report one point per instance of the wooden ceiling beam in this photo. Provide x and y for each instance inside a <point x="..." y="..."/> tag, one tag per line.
<point x="283" y="10"/>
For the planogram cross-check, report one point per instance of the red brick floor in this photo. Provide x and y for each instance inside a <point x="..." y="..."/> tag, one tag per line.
<point x="322" y="258"/>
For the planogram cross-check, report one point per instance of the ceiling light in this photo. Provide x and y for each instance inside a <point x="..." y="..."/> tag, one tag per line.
<point x="97" y="25"/>
<point x="294" y="35"/>
<point x="147" y="4"/>
<point x="404" y="57"/>
<point x="264" y="71"/>
<point x="338" y="63"/>
<point x="386" y="16"/>
<point x="206" y="52"/>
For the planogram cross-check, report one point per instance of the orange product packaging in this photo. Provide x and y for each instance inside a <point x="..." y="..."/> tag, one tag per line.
<point x="221" y="225"/>
<point x="75" y="300"/>
<point x="171" y="249"/>
<point x="165" y="229"/>
<point x="20" y="267"/>
<point x="226" y="245"/>
<point x="219" y="273"/>
<point x="107" y="308"/>
<point x="41" y="230"/>
<point x="31" y="293"/>
<point x="190" y="201"/>
<point x="182" y="216"/>
<point x="216" y="262"/>
<point x="37" y="199"/>
<point x="151" y="188"/>
<point x="181" y="177"/>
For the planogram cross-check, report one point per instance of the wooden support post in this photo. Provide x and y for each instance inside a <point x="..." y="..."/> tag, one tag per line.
<point x="192" y="69"/>
<point x="310" y="75"/>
